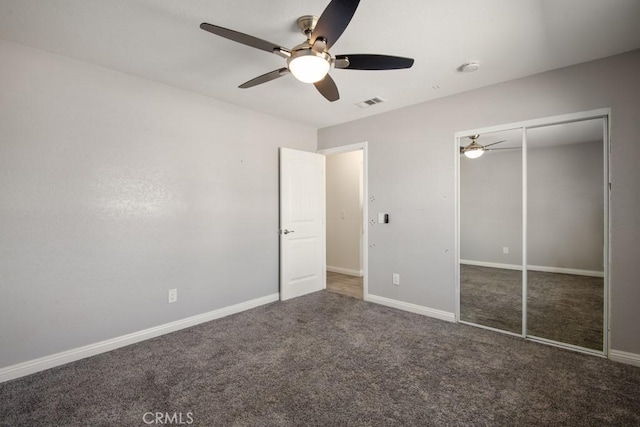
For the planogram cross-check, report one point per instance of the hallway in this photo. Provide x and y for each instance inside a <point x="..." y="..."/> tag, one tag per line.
<point x="344" y="284"/>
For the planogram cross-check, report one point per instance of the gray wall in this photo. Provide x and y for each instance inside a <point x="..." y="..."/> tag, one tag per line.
<point x="412" y="176"/>
<point x="565" y="206"/>
<point x="344" y="210"/>
<point x="491" y="207"/>
<point x="565" y="189"/>
<point x="116" y="189"/>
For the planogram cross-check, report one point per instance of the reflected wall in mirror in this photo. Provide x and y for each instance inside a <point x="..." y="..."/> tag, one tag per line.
<point x="491" y="232"/>
<point x="565" y="233"/>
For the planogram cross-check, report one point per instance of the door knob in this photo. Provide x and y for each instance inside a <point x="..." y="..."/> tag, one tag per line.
<point x="287" y="231"/>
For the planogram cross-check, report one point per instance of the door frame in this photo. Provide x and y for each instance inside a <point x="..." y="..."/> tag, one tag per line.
<point x="364" y="146"/>
<point x="601" y="113"/>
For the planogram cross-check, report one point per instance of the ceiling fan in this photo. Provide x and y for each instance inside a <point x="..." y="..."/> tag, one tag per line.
<point x="475" y="150"/>
<point x="310" y="61"/>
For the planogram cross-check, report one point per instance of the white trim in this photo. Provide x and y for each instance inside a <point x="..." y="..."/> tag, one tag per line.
<point x="47" y="362"/>
<point x="491" y="264"/>
<point x="413" y="308"/>
<point x="561" y="270"/>
<point x="542" y="268"/>
<point x="348" y="271"/>
<point x="343" y="149"/>
<point x="364" y="146"/>
<point x="490" y="328"/>
<point x="559" y="344"/>
<point x="525" y="232"/>
<point x="607" y="232"/>
<point x="534" y="123"/>
<point x="625" y="357"/>
<point x="456" y="231"/>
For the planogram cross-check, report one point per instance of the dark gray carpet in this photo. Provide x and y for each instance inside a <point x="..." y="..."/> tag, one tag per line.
<point x="491" y="297"/>
<point x="560" y="307"/>
<point x="330" y="360"/>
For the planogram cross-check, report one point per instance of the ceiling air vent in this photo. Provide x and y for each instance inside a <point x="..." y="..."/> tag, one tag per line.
<point x="369" y="102"/>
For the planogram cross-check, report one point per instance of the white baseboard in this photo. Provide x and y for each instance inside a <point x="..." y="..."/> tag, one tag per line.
<point x="350" y="272"/>
<point x="491" y="264"/>
<point x="625" y="357"/>
<point x="542" y="268"/>
<point x="51" y="361"/>
<point x="413" y="308"/>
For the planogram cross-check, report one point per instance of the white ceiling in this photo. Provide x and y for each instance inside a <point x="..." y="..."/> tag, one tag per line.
<point x="160" y="40"/>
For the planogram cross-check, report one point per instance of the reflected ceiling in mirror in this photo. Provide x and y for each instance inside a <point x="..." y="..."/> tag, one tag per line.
<point x="567" y="133"/>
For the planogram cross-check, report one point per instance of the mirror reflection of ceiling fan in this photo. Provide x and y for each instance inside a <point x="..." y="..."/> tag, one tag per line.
<point x="475" y="150"/>
<point x="310" y="61"/>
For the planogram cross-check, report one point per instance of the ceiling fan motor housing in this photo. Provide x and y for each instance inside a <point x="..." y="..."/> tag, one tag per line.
<point x="307" y="23"/>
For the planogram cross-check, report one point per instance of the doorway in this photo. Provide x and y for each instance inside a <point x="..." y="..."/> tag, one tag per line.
<point x="346" y="219"/>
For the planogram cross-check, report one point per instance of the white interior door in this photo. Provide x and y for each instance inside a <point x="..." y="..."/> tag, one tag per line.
<point x="302" y="223"/>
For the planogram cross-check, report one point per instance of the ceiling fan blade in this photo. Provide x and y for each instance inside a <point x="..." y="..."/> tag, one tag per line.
<point x="327" y="87"/>
<point x="267" y="77"/>
<point x="373" y="62"/>
<point x="244" y="39"/>
<point x="494" y="143"/>
<point x="334" y="21"/>
<point x="506" y="148"/>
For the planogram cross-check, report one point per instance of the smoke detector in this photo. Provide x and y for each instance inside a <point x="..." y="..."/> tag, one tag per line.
<point x="469" y="67"/>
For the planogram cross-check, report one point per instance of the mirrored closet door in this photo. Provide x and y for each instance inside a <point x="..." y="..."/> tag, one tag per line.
<point x="533" y="228"/>
<point x="565" y="233"/>
<point x="491" y="231"/>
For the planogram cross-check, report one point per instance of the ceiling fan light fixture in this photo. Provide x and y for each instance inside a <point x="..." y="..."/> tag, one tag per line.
<point x="309" y="66"/>
<point x="473" y="150"/>
<point x="474" y="153"/>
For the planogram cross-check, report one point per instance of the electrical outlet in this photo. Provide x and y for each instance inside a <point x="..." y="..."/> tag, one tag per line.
<point x="172" y="296"/>
<point x="505" y="250"/>
<point x="396" y="279"/>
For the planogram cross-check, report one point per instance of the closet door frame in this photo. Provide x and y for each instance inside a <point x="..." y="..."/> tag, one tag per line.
<point x="605" y="115"/>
